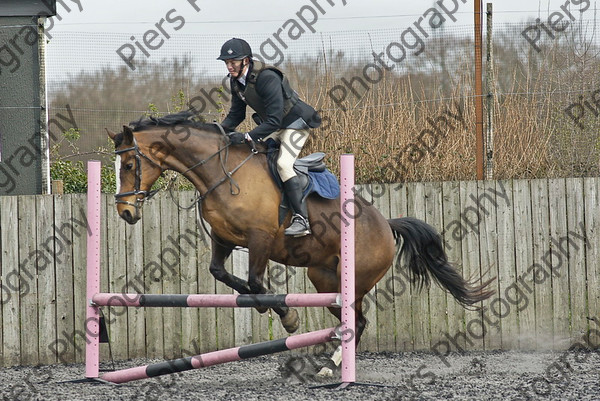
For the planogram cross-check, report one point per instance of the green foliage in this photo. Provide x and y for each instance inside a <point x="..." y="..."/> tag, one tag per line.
<point x="72" y="135"/>
<point x="73" y="172"/>
<point x="108" y="179"/>
<point x="152" y="110"/>
<point x="178" y="101"/>
<point x="220" y="102"/>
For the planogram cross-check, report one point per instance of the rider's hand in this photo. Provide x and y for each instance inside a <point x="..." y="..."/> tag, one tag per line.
<point x="237" y="138"/>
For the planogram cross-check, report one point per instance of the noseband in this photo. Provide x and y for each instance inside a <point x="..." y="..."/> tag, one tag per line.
<point x="146" y="195"/>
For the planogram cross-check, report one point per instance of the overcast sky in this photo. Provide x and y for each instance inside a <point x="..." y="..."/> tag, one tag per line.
<point x="263" y="16"/>
<point x="76" y="45"/>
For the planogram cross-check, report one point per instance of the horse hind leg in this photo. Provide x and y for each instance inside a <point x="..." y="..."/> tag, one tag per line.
<point x="327" y="280"/>
<point x="361" y="323"/>
<point x="287" y="316"/>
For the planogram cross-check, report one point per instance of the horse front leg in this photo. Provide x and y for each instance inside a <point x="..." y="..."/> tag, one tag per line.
<point x="258" y="258"/>
<point x="259" y="251"/>
<point x="221" y="250"/>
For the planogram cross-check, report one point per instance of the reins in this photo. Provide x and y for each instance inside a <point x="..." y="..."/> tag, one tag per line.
<point x="228" y="175"/>
<point x="232" y="183"/>
<point x="147" y="195"/>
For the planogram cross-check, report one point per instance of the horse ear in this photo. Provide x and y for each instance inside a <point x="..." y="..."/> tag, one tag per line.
<point x="127" y="135"/>
<point x="111" y="134"/>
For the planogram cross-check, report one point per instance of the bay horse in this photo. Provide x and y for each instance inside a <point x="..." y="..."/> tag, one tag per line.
<point x="240" y="201"/>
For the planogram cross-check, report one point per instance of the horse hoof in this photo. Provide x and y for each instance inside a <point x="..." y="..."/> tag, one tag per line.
<point x="325" y="372"/>
<point x="290" y="321"/>
<point x="261" y="309"/>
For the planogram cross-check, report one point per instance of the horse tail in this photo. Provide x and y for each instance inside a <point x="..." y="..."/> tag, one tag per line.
<point x="423" y="251"/>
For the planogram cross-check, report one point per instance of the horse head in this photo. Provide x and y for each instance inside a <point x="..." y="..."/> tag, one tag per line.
<point x="136" y="170"/>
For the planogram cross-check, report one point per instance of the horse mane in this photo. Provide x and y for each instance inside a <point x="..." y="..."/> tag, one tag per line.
<point x="185" y="118"/>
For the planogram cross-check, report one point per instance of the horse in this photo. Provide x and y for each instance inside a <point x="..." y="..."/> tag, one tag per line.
<point x="240" y="200"/>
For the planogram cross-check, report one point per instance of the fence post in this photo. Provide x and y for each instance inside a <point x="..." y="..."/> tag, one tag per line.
<point x="489" y="80"/>
<point x="478" y="93"/>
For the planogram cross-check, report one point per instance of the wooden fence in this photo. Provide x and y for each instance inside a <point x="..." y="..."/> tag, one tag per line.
<point x="540" y="238"/>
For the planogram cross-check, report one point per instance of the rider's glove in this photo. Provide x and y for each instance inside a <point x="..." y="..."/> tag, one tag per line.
<point x="237" y="138"/>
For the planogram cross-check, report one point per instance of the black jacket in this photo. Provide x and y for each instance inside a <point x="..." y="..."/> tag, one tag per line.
<point x="269" y="88"/>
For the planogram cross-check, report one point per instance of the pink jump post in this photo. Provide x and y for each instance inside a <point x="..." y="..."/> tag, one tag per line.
<point x="95" y="299"/>
<point x="347" y="276"/>
<point x="92" y="321"/>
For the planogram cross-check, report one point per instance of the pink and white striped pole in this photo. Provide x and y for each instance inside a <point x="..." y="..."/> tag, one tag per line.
<point x="92" y="321"/>
<point x="219" y="357"/>
<point x="347" y="277"/>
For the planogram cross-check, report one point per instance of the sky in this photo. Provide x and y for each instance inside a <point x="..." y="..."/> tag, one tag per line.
<point x="123" y="22"/>
<point x="263" y="16"/>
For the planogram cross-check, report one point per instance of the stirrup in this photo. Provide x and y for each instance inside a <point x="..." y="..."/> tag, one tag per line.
<point x="299" y="226"/>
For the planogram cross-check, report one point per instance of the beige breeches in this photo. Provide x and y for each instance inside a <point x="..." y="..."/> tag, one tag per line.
<point x="292" y="141"/>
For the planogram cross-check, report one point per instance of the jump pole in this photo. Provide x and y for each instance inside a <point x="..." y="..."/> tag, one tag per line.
<point x="222" y="356"/>
<point x="347" y="288"/>
<point x="217" y="300"/>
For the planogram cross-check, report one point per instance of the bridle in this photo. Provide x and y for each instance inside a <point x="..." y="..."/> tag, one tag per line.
<point x="147" y="195"/>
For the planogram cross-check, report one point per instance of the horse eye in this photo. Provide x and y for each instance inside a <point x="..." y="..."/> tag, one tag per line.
<point x="128" y="166"/>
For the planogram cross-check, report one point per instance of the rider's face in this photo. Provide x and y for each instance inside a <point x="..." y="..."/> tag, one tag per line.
<point x="235" y="67"/>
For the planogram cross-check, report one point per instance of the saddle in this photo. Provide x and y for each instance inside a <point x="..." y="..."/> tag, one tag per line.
<point x="313" y="173"/>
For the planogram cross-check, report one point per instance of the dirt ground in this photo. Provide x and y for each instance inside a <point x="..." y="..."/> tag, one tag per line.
<point x="573" y="375"/>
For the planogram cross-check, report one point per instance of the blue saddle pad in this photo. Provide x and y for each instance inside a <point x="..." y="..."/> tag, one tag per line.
<point x="323" y="183"/>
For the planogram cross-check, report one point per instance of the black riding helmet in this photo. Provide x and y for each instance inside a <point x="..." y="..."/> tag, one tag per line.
<point x="235" y="49"/>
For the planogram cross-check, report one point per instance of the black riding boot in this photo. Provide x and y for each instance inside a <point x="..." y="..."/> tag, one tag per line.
<point x="299" y="226"/>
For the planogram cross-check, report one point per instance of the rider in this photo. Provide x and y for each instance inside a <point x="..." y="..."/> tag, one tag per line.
<point x="283" y="117"/>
